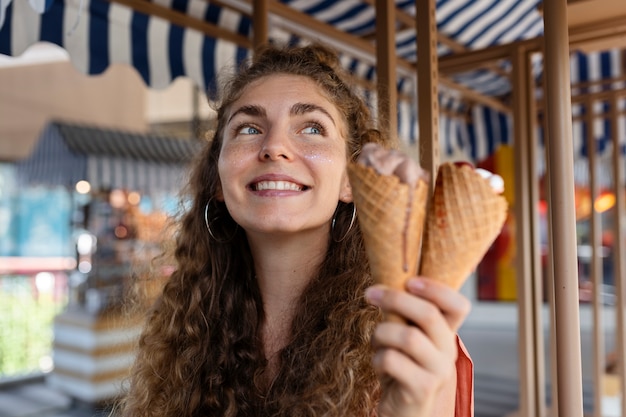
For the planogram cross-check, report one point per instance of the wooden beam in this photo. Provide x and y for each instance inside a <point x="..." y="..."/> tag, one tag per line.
<point x="562" y="215"/>
<point x="427" y="87"/>
<point x="260" y="22"/>
<point x="240" y="7"/>
<point x="585" y="12"/>
<point x="408" y="21"/>
<point x="474" y="96"/>
<point x="306" y="23"/>
<point x="578" y="37"/>
<point x="585" y="36"/>
<point x="602" y="115"/>
<point x="603" y="83"/>
<point x="528" y="271"/>
<point x="478" y="58"/>
<point x="618" y="256"/>
<point x="184" y="20"/>
<point x="597" y="96"/>
<point x="595" y="235"/>
<point x="308" y="27"/>
<point x="386" y="67"/>
<point x="322" y="28"/>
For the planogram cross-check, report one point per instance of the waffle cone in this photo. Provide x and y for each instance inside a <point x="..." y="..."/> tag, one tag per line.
<point x="464" y="217"/>
<point x="391" y="216"/>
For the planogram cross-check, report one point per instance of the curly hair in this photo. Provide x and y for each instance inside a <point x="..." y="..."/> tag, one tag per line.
<point x="200" y="353"/>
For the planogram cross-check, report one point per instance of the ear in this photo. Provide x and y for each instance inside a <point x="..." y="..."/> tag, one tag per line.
<point x="345" y="193"/>
<point x="219" y="194"/>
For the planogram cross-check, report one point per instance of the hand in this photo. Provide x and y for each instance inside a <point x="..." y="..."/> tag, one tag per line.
<point x="416" y="361"/>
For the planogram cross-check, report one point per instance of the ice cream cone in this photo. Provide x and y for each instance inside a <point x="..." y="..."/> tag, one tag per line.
<point x="391" y="216"/>
<point x="465" y="215"/>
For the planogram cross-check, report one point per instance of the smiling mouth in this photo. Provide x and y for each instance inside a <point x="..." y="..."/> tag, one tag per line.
<point x="278" y="185"/>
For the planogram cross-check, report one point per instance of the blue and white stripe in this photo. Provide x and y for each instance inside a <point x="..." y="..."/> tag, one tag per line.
<point x="98" y="33"/>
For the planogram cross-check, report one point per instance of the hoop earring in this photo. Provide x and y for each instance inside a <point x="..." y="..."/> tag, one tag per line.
<point x="208" y="226"/>
<point x="332" y="226"/>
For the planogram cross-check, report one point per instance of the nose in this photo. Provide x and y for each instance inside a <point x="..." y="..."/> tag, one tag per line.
<point x="275" y="146"/>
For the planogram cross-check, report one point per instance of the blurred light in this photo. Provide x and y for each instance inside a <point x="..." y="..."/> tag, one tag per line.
<point x="604" y="202"/>
<point x="543" y="207"/>
<point x="121" y="232"/>
<point x="134" y="198"/>
<point x="83" y="187"/>
<point x="46" y="364"/>
<point x="77" y="277"/>
<point x="117" y="198"/>
<point x="44" y="281"/>
<point x="32" y="265"/>
<point x="85" y="243"/>
<point x="84" y="267"/>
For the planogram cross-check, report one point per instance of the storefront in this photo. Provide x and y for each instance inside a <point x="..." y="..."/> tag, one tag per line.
<point x="119" y="188"/>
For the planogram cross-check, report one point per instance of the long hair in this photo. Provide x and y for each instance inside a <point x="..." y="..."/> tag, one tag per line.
<point x="200" y="353"/>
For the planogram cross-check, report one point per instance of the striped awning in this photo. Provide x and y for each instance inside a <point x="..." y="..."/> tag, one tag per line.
<point x="98" y="33"/>
<point x="108" y="159"/>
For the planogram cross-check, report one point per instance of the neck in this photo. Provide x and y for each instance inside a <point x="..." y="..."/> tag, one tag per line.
<point x="284" y="266"/>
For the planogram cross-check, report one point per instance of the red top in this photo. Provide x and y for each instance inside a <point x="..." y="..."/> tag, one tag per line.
<point x="464" y="383"/>
<point x="464" y="404"/>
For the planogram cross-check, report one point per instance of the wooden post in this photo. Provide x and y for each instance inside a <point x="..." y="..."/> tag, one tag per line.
<point x="528" y="278"/>
<point x="260" y="22"/>
<point x="549" y="274"/>
<point x="619" y="270"/>
<point x="560" y="165"/>
<point x="427" y="86"/>
<point x="386" y="65"/>
<point x="534" y="225"/>
<point x="596" y="265"/>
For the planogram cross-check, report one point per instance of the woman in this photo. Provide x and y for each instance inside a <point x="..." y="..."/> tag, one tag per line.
<point x="271" y="310"/>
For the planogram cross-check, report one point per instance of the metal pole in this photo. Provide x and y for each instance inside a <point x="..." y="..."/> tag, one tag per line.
<point x="560" y="165"/>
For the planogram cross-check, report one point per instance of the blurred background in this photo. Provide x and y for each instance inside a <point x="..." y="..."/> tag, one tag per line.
<point x="93" y="156"/>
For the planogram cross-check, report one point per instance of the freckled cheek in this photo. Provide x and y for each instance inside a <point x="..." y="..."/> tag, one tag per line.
<point x="238" y="155"/>
<point x="324" y="156"/>
<point x="231" y="164"/>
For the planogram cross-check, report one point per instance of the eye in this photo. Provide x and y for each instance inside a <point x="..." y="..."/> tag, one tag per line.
<point x="313" y="129"/>
<point x="246" y="130"/>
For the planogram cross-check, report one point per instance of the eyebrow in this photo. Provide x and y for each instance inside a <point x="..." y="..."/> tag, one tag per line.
<point x="250" y="110"/>
<point x="303" y="108"/>
<point x="296" y="110"/>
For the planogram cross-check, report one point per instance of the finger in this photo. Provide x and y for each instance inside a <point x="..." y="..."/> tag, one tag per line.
<point x="415" y="382"/>
<point x="413" y="342"/>
<point x="396" y="301"/>
<point x="419" y="311"/>
<point x="454" y="305"/>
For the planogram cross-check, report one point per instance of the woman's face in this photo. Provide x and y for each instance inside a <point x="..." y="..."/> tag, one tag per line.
<point x="283" y="159"/>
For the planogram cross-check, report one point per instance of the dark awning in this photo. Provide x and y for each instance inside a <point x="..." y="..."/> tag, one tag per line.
<point x="67" y="153"/>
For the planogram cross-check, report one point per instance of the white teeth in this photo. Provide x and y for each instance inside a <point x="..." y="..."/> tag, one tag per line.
<point x="277" y="185"/>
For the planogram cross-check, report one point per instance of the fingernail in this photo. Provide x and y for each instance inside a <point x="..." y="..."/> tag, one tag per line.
<point x="416" y="284"/>
<point x="374" y="294"/>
